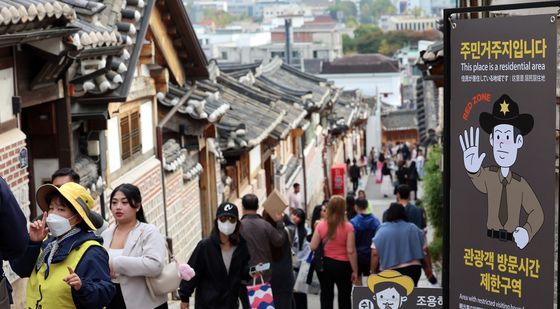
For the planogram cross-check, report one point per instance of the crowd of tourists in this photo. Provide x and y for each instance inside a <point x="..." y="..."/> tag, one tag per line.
<point x="74" y="259"/>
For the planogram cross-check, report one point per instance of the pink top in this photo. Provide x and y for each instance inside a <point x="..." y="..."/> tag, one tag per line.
<point x="336" y="247"/>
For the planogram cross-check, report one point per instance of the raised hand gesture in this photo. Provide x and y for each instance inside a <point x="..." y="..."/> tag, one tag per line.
<point x="38" y="230"/>
<point x="469" y="144"/>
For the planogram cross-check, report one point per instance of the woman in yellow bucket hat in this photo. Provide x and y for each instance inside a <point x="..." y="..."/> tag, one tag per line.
<point x="66" y="263"/>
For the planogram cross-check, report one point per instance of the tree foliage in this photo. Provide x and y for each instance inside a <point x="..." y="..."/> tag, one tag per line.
<point x="371" y="10"/>
<point x="433" y="198"/>
<point x="221" y="18"/>
<point x="371" y="39"/>
<point x="345" y="9"/>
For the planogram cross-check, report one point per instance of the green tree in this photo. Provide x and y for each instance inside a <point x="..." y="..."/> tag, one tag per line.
<point x="381" y="7"/>
<point x="351" y="22"/>
<point x="348" y="44"/>
<point x="433" y="199"/>
<point x="346" y="9"/>
<point x="368" y="39"/>
<point x="221" y="18"/>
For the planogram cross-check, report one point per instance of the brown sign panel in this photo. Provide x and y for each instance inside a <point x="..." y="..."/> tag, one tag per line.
<point x="502" y="152"/>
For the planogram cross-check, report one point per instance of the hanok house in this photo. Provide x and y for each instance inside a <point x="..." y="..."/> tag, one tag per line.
<point x="315" y="94"/>
<point x="187" y="117"/>
<point x="346" y="134"/>
<point x="125" y="52"/>
<point x="23" y="23"/>
<point x="399" y="126"/>
<point x="242" y="134"/>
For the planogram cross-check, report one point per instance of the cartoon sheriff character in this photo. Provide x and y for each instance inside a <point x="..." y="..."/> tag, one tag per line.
<point x="390" y="289"/>
<point x="507" y="191"/>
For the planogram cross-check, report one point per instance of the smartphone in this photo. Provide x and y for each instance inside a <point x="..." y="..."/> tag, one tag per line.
<point x="259" y="268"/>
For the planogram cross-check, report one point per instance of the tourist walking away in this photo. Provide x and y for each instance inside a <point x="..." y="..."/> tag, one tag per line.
<point x="365" y="224"/>
<point x="260" y="236"/>
<point x="13" y="236"/>
<point x="413" y="180"/>
<point x="354" y="174"/>
<point x="401" y="174"/>
<point x="70" y="267"/>
<point x="387" y="180"/>
<point x="300" y="249"/>
<point x="398" y="245"/>
<point x="417" y="215"/>
<point x="220" y="262"/>
<point x="294" y="198"/>
<point x="66" y="174"/>
<point x="340" y="265"/>
<point x="420" y="164"/>
<point x="364" y="164"/>
<point x="282" y="280"/>
<point x="136" y="250"/>
<point x="372" y="160"/>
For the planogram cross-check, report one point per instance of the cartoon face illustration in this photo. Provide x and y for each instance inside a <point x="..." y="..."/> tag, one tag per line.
<point x="507" y="191"/>
<point x="505" y="140"/>
<point x="389" y="299"/>
<point x="390" y="289"/>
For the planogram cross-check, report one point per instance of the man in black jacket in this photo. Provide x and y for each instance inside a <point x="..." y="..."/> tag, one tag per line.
<point x="13" y="236"/>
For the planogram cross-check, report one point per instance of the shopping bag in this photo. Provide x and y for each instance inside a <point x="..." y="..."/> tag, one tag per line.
<point x="301" y="285"/>
<point x="260" y="295"/>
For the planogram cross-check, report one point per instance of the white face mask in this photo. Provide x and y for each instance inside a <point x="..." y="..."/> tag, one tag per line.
<point x="58" y="225"/>
<point x="227" y="227"/>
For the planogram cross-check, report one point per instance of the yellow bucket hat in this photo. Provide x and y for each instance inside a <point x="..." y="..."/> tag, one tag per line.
<point x="391" y="276"/>
<point x="73" y="193"/>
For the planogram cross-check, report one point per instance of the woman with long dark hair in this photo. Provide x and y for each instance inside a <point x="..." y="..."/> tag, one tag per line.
<point x="300" y="249"/>
<point x="340" y="264"/>
<point x="220" y="262"/>
<point x="398" y="245"/>
<point x="136" y="251"/>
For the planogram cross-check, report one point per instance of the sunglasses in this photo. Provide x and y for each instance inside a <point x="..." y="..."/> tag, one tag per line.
<point x="228" y="218"/>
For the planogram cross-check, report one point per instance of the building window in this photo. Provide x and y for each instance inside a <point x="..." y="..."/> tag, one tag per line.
<point x="130" y="133"/>
<point x="277" y="54"/>
<point x="224" y="55"/>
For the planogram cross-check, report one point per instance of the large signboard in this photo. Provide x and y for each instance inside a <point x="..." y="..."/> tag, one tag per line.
<point x="502" y="157"/>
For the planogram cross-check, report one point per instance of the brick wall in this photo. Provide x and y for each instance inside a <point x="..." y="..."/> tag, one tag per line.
<point x="183" y="214"/>
<point x="315" y="174"/>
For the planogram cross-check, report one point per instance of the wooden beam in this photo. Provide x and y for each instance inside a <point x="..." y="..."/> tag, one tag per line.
<point x="165" y="46"/>
<point x="161" y="77"/>
<point x="147" y="53"/>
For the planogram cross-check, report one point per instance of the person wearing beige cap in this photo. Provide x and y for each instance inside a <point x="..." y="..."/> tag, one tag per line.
<point x="66" y="264"/>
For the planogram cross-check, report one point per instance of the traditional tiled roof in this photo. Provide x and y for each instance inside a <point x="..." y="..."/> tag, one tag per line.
<point x="202" y="104"/>
<point x="108" y="45"/>
<point x="314" y="91"/>
<point x="174" y="156"/>
<point x="363" y="63"/>
<point x="89" y="175"/>
<point x="191" y="167"/>
<point x="293" y="114"/>
<point x="24" y="21"/>
<point x="399" y="120"/>
<point x="18" y="12"/>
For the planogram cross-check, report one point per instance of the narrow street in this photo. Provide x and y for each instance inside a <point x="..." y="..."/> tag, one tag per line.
<point x="380" y="203"/>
